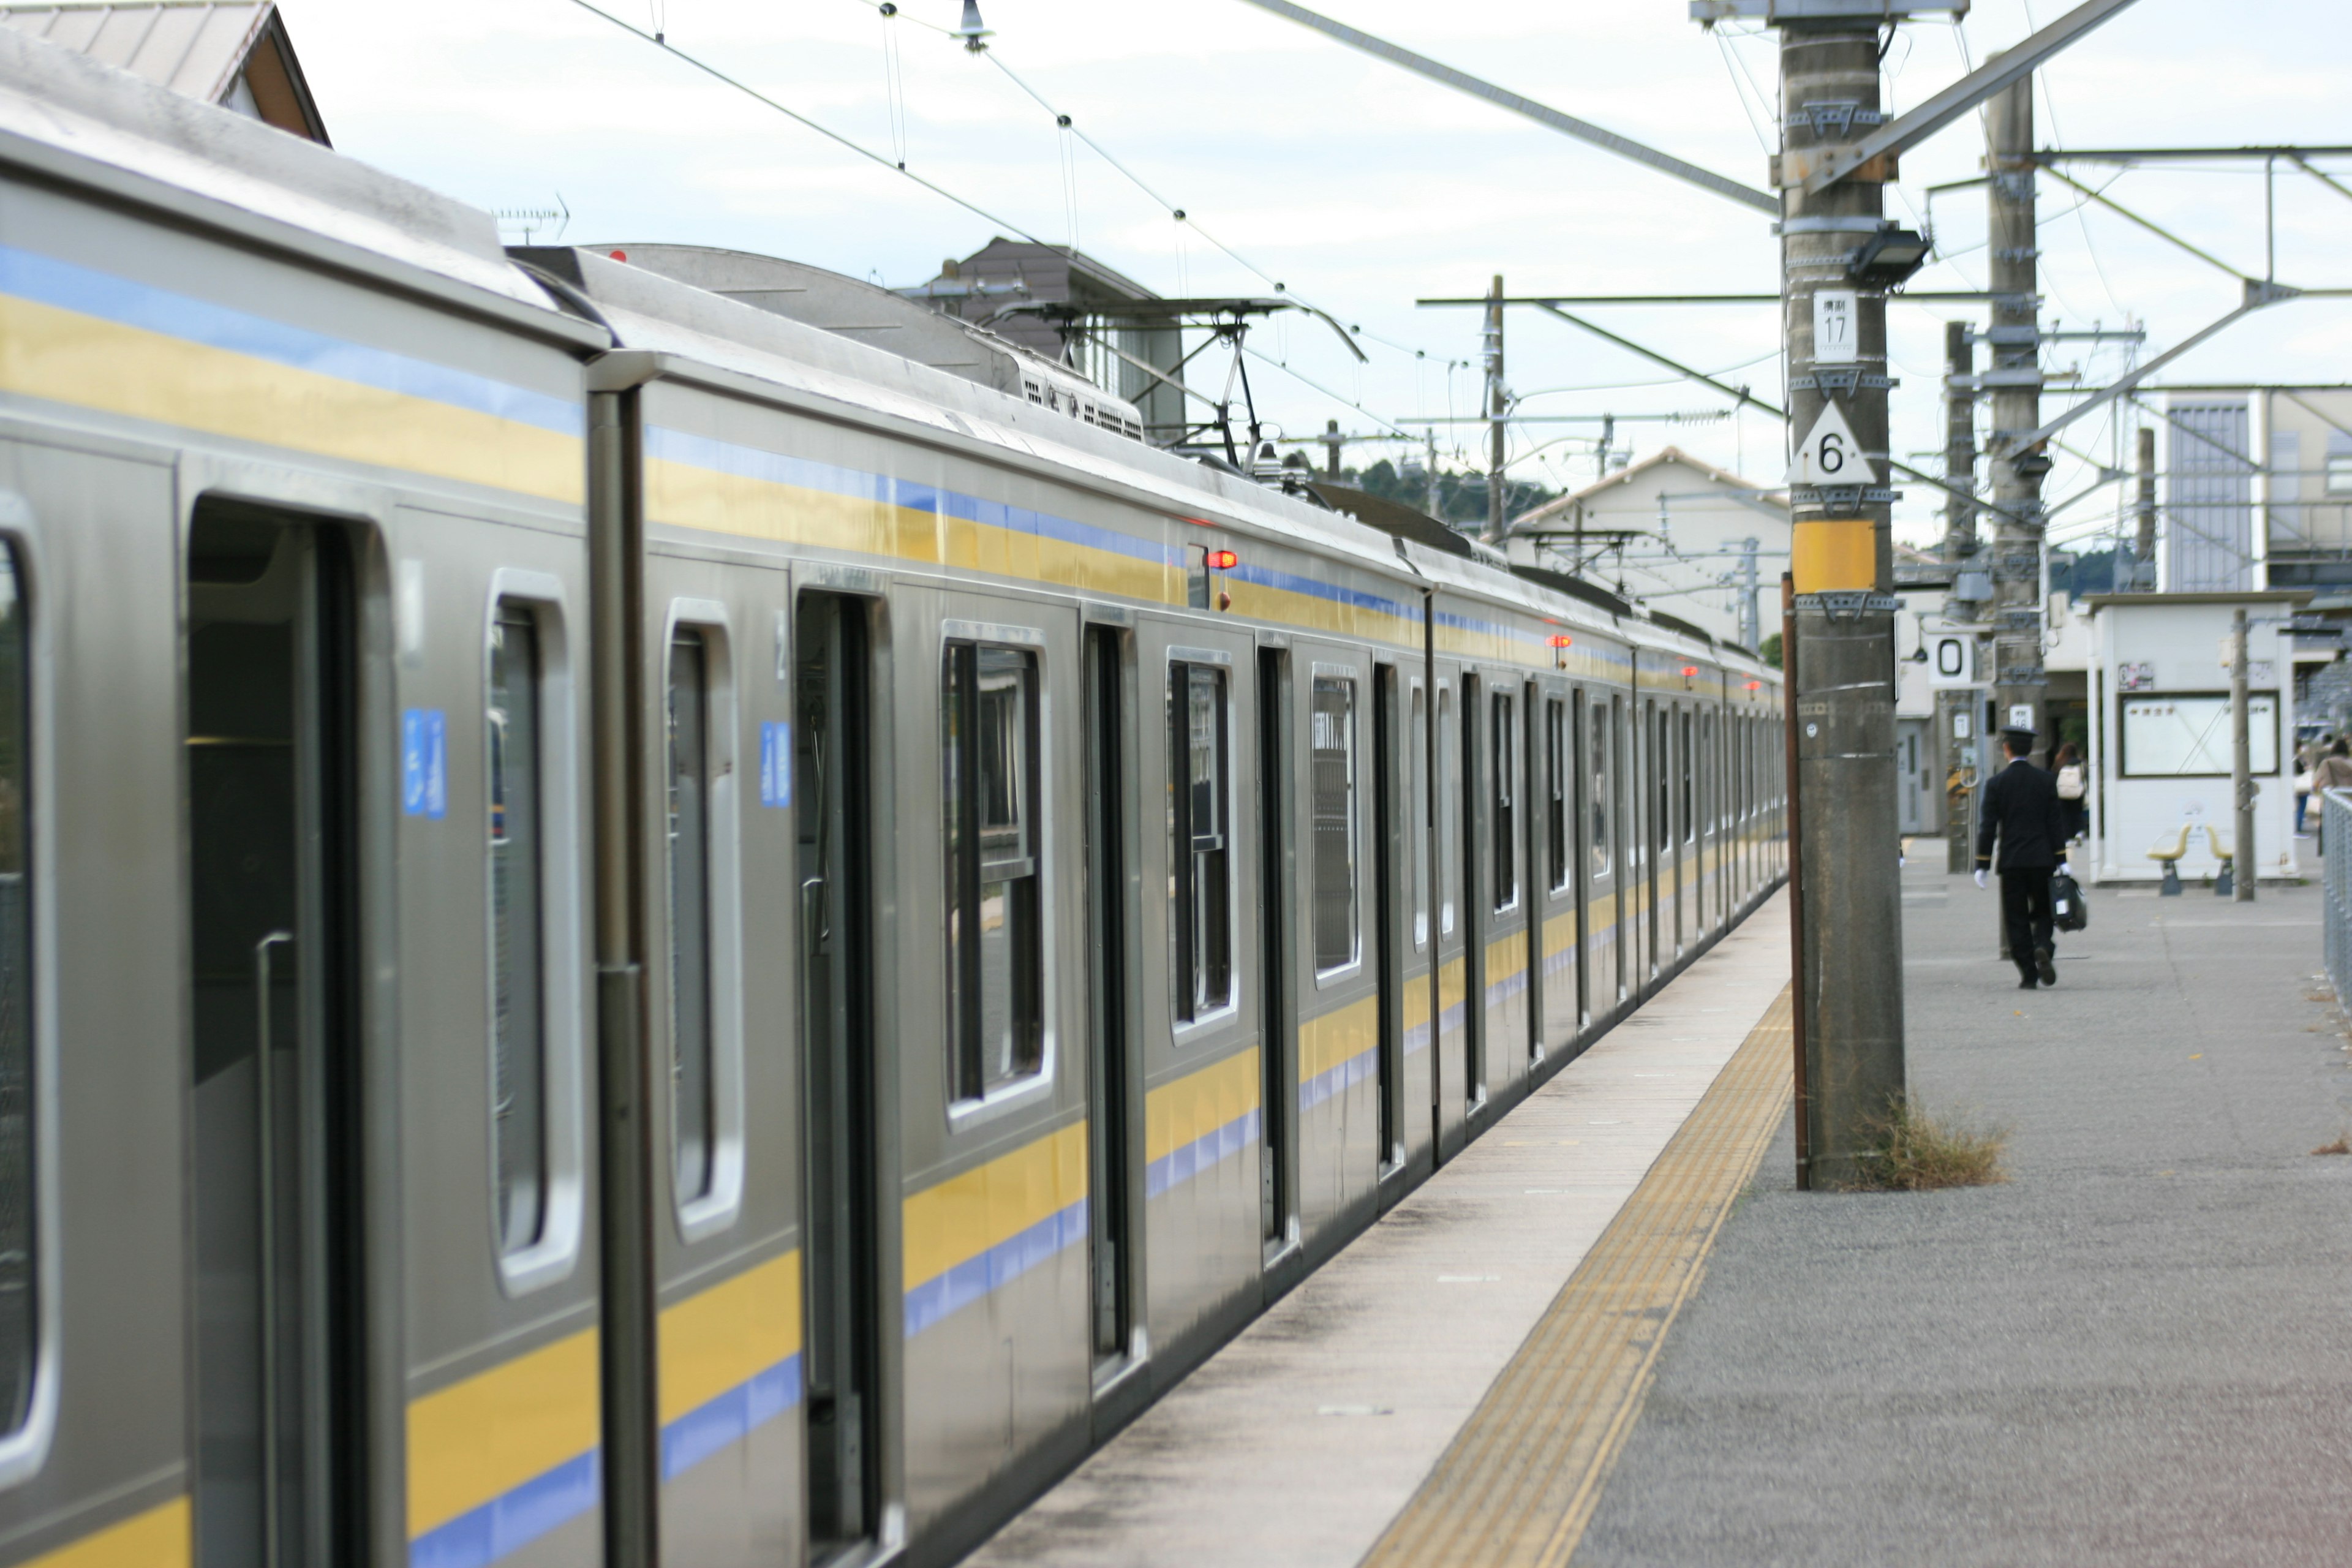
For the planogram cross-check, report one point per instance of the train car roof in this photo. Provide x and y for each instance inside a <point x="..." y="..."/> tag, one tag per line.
<point x="90" y="125"/>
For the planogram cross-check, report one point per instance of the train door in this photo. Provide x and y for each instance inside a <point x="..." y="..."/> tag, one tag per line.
<point x="1471" y="845"/>
<point x="1681" y="770"/>
<point x="1502" y="909"/>
<point x="1450" y="1044"/>
<point x="1400" y="922"/>
<point x="271" y="695"/>
<point x="1277" y="922"/>
<point x="1561" y="935"/>
<point x="841" y="1298"/>
<point x="1114" y="1110"/>
<point x="1657" y="833"/>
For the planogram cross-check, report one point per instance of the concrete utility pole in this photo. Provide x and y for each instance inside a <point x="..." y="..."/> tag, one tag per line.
<point x="1842" y="667"/>
<point x="1750" y="621"/>
<point x="2144" y="546"/>
<point x="2241" y="763"/>
<point x="1960" y="751"/>
<point x="1498" y="411"/>
<point x="1331" y="445"/>
<point x="2014" y="380"/>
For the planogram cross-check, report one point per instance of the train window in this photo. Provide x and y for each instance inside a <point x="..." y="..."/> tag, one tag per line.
<point x="1333" y="766"/>
<point x="1200" y="838"/>
<point x="1504" y="829"/>
<point x="995" y="988"/>
<point x="518" y="966"/>
<point x="1662" y="774"/>
<point x="1556" y="793"/>
<point x="693" y="1105"/>
<point x="1688" y="774"/>
<point x="19" y="1293"/>
<point x="1600" y="798"/>
<point x="1196" y="576"/>
<point x="1417" y="743"/>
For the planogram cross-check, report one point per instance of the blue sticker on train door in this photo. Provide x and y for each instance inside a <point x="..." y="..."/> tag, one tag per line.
<point x="776" y="765"/>
<point x="424" y="762"/>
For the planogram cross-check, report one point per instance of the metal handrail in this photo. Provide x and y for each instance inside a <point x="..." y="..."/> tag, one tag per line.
<point x="2335" y="879"/>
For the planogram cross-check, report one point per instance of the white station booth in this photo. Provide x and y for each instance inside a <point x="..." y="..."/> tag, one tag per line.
<point x="2161" y="736"/>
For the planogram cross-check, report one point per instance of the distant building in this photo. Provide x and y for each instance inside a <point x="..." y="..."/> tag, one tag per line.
<point x="2257" y="492"/>
<point x="233" y="53"/>
<point x="1672" y="533"/>
<point x="998" y="284"/>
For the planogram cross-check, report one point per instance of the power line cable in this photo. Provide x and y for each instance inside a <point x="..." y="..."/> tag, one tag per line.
<point x="661" y="42"/>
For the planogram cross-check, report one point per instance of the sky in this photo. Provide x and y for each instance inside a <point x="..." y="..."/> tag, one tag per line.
<point x="1361" y="188"/>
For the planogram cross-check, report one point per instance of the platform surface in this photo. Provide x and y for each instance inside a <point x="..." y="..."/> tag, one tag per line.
<point x="2138" y="1351"/>
<point x="1300" y="1443"/>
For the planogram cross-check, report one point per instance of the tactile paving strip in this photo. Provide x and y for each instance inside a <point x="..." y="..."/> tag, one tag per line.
<point x="1521" y="1479"/>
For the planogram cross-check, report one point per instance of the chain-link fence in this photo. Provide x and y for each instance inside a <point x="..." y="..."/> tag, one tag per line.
<point x="2335" y="875"/>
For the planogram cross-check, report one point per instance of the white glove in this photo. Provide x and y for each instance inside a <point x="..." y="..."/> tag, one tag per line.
<point x="1980" y="878"/>
<point x="2065" y="869"/>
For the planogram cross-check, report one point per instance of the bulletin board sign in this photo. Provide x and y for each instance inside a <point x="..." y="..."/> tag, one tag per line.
<point x="2185" y="734"/>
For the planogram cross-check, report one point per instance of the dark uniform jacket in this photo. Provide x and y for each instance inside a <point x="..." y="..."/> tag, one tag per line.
<point x="2022" y="809"/>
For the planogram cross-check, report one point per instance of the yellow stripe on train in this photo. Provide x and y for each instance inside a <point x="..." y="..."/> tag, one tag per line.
<point x="962" y="1217"/>
<point x="482" y="1438"/>
<point x="66" y="357"/>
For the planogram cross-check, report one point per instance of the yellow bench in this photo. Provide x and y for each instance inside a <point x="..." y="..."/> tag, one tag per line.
<point x="2225" y="884"/>
<point x="2166" y="852"/>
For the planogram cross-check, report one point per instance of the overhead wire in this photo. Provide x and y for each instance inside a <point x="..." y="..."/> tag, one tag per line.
<point x="661" y="42"/>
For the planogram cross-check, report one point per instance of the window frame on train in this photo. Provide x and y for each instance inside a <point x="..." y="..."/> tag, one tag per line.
<point x="1417" y="806"/>
<point x="1193" y="857"/>
<point x="1344" y="875"/>
<point x="1558" y="792"/>
<point x="553" y="1250"/>
<point x="966" y="656"/>
<point x="1503" y="799"/>
<point x="713" y="1206"/>
<point x="1599" y="714"/>
<point x="28" y="1428"/>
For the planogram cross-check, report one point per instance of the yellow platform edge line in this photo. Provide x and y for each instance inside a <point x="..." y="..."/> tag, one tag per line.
<point x="1466" y="1512"/>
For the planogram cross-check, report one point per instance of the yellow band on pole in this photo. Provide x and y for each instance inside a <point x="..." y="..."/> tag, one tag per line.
<point x="1834" y="556"/>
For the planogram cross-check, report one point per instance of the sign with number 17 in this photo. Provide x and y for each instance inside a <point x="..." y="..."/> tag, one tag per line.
<point x="1835" y="340"/>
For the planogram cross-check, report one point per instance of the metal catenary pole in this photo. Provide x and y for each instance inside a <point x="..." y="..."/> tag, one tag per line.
<point x="1959" y="549"/>
<point x="1841" y="669"/>
<point x="2144" y="543"/>
<point x="2014" y="379"/>
<point x="2241" y="763"/>
<point x="1498" y="411"/>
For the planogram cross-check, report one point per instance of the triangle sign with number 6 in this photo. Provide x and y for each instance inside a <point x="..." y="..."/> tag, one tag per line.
<point x="1829" y="455"/>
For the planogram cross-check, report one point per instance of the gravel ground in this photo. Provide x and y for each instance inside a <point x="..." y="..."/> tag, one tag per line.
<point x="2138" y="1351"/>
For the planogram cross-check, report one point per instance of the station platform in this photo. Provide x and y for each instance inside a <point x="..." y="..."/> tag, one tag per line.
<point x="1451" y="1387"/>
<point x="1612" y="1332"/>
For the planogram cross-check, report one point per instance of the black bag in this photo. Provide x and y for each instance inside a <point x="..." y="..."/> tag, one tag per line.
<point x="2067" y="910"/>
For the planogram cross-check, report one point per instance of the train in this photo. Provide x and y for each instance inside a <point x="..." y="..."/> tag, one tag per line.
<point x="633" y="931"/>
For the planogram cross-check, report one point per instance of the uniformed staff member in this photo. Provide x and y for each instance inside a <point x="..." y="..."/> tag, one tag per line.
<point x="2021" y="810"/>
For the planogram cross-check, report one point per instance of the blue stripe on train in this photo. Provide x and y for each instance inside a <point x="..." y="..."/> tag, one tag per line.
<point x="1000" y="1265"/>
<point x="128" y="303"/>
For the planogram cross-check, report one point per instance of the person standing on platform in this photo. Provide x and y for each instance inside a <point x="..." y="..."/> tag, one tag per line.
<point x="2022" y="813"/>
<point x="2333" y="771"/>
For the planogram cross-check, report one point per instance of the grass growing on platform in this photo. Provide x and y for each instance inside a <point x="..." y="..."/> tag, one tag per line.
<point x="1914" y="1151"/>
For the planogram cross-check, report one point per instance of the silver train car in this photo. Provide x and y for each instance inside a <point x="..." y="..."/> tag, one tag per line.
<point x="633" y="932"/>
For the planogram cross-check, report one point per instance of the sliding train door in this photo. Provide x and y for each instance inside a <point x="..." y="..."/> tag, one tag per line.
<point x="834" y="726"/>
<point x="271" y="698"/>
<point x="1114" y="1127"/>
<point x="1452" y="1092"/>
